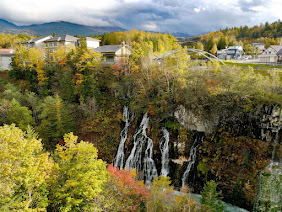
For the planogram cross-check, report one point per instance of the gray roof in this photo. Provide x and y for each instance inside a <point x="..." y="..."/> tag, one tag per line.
<point x="34" y="39"/>
<point x="279" y="52"/>
<point x="235" y="47"/>
<point x="108" y="48"/>
<point x="62" y="38"/>
<point x="92" y="39"/>
<point x="276" y="47"/>
<point x="7" y="54"/>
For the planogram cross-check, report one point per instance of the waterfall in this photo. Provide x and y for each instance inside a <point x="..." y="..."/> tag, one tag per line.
<point x="119" y="159"/>
<point x="150" y="170"/>
<point x="192" y="159"/>
<point x="270" y="186"/>
<point x="147" y="165"/>
<point x="165" y="152"/>
<point x="134" y="159"/>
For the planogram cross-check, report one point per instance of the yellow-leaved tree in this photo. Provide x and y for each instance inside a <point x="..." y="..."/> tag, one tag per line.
<point x="78" y="176"/>
<point x="23" y="171"/>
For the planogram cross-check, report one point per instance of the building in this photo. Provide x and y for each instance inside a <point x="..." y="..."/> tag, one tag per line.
<point x="270" y="54"/>
<point x="258" y="46"/>
<point x="113" y="53"/>
<point x="6" y="59"/>
<point x="234" y="52"/>
<point x="222" y="54"/>
<point x="279" y="55"/>
<point x="61" y="40"/>
<point x="92" y="43"/>
<point x="36" y="42"/>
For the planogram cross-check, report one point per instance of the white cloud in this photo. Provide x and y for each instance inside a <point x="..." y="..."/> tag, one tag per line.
<point x="192" y="17"/>
<point x="150" y="26"/>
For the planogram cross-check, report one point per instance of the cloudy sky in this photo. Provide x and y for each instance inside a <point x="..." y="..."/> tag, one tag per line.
<point x="187" y="16"/>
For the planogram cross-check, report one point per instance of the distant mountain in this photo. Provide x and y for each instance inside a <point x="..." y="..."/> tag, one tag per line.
<point x="180" y="34"/>
<point x="8" y="27"/>
<point x="60" y="27"/>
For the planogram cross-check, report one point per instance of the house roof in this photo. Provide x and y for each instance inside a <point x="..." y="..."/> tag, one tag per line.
<point x="279" y="52"/>
<point x="62" y="38"/>
<point x="108" y="48"/>
<point x="91" y="39"/>
<point x="276" y="47"/>
<point x="6" y="51"/>
<point x="222" y="51"/>
<point x="34" y="39"/>
<point x="235" y="47"/>
<point x="258" y="44"/>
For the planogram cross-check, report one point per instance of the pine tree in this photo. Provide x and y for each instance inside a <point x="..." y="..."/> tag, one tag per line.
<point x="210" y="198"/>
<point x="56" y="120"/>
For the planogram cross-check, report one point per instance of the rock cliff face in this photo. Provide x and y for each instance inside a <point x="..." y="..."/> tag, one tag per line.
<point x="264" y="122"/>
<point x="229" y="149"/>
<point x="191" y="121"/>
<point x="271" y="122"/>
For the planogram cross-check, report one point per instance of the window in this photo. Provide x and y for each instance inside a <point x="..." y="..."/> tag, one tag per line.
<point x="110" y="59"/>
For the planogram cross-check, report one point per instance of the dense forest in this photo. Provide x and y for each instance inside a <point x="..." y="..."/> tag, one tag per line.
<point x="47" y="100"/>
<point x="269" y="34"/>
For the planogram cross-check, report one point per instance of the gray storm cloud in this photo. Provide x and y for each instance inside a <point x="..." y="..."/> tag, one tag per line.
<point x="192" y="17"/>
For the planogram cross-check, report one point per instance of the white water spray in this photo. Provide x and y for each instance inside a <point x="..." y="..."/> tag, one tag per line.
<point x="147" y="165"/>
<point x="119" y="159"/>
<point x="165" y="152"/>
<point x="192" y="157"/>
<point x="150" y="170"/>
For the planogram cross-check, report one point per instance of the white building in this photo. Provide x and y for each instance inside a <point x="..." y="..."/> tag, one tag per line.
<point x="6" y="59"/>
<point x="61" y="40"/>
<point x="222" y="54"/>
<point x="53" y="42"/>
<point x="270" y="54"/>
<point x="92" y="43"/>
<point x="259" y="46"/>
<point x="112" y="53"/>
<point x="279" y="55"/>
<point x="36" y="42"/>
<point x="234" y="52"/>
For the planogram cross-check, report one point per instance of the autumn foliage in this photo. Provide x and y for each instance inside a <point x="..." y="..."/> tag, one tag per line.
<point x="132" y="193"/>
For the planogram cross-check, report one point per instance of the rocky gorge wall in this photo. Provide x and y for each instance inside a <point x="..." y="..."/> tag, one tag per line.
<point x="229" y="149"/>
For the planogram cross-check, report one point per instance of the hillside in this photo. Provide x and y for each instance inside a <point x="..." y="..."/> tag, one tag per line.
<point x="269" y="34"/>
<point x="60" y="27"/>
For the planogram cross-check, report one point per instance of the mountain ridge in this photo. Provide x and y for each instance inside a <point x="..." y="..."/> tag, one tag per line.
<point x="64" y="27"/>
<point x="59" y="27"/>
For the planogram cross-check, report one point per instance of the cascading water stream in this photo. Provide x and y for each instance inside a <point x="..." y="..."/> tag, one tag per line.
<point x="134" y="160"/>
<point x="192" y="157"/>
<point x="165" y="152"/>
<point x="119" y="159"/>
<point x="150" y="170"/>
<point x="269" y="186"/>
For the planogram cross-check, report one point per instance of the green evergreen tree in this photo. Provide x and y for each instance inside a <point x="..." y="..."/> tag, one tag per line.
<point x="222" y="43"/>
<point x="209" y="45"/>
<point x="210" y="198"/>
<point x="56" y="120"/>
